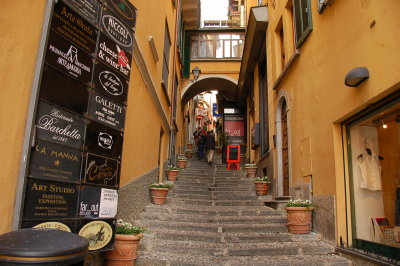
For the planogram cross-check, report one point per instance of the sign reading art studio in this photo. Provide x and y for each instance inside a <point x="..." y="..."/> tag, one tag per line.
<point x="110" y="83"/>
<point x="54" y="162"/>
<point x="73" y="27"/>
<point x="69" y="58"/>
<point x="114" y="56"/>
<point x="116" y="30"/>
<point x="106" y="111"/>
<point x="101" y="170"/>
<point x="58" y="126"/>
<point x="48" y="200"/>
<point x="124" y="10"/>
<point x="89" y="9"/>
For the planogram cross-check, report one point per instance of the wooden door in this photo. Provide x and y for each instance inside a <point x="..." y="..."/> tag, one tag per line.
<point x="285" y="151"/>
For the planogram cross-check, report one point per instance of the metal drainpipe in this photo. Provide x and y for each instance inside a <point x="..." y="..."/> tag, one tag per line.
<point x="171" y="120"/>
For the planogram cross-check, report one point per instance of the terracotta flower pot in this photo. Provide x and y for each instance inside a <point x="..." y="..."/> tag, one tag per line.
<point x="125" y="250"/>
<point x="189" y="146"/>
<point x="189" y="154"/>
<point x="251" y="171"/>
<point x="182" y="164"/>
<point x="158" y="195"/>
<point x="299" y="219"/>
<point x="261" y="188"/>
<point x="172" y="175"/>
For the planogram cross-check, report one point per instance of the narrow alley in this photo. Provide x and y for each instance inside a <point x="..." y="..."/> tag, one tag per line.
<point x="213" y="217"/>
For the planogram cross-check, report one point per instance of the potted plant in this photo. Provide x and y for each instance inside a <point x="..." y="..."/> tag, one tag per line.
<point x="189" y="153"/>
<point x="172" y="173"/>
<point x="251" y="169"/>
<point x="299" y="214"/>
<point x="262" y="185"/>
<point x="189" y="145"/>
<point x="181" y="161"/>
<point x="126" y="245"/>
<point x="159" y="192"/>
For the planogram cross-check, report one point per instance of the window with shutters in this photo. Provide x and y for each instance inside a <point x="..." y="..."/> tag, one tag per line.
<point x="302" y="20"/>
<point x="165" y="70"/>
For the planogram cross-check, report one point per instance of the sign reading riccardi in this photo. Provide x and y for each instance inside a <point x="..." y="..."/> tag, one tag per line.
<point x="74" y="164"/>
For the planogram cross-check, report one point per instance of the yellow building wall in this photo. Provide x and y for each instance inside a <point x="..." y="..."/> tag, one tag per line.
<point x="346" y="35"/>
<point x="19" y="44"/>
<point x="227" y="68"/>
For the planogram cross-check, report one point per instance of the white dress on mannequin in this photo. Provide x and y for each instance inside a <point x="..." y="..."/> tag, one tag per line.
<point x="370" y="169"/>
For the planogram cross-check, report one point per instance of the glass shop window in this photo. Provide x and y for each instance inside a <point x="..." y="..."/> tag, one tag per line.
<point x="374" y="160"/>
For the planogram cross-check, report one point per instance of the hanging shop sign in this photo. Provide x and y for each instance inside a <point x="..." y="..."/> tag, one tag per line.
<point x="99" y="233"/>
<point x="58" y="126"/>
<point x="55" y="162"/>
<point x="64" y="91"/>
<point x="103" y="140"/>
<point x="116" y="30"/>
<point x="114" y="56"/>
<point x="106" y="111"/>
<point x="73" y="27"/>
<point x="89" y="9"/>
<point x="100" y="170"/>
<point x="108" y="82"/>
<point x="68" y="58"/>
<point x="124" y="10"/>
<point x="49" y="200"/>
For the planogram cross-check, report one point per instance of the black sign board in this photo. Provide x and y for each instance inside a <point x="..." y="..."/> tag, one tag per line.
<point x="89" y="202"/>
<point x="68" y="58"/>
<point x="116" y="30"/>
<point x="64" y="91"/>
<point x="124" y="10"/>
<point x="114" y="56"/>
<point x="68" y="226"/>
<point x="103" y="140"/>
<point x="233" y="154"/>
<point x="101" y="170"/>
<point x="89" y="9"/>
<point x="100" y="233"/>
<point x="55" y="125"/>
<point x="73" y="27"/>
<point x="106" y="111"/>
<point x="54" y="162"/>
<point x="50" y="200"/>
<point x="109" y="82"/>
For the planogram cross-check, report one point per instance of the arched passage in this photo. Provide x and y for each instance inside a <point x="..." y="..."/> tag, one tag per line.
<point x="226" y="87"/>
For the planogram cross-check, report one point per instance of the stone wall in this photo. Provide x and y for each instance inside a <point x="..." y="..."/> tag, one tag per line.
<point x="135" y="195"/>
<point x="324" y="217"/>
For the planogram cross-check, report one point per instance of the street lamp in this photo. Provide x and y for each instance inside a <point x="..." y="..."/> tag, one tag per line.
<point x="196" y="73"/>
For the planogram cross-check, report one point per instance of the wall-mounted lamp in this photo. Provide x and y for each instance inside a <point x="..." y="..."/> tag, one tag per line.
<point x="356" y="76"/>
<point x="383" y="124"/>
<point x="196" y="73"/>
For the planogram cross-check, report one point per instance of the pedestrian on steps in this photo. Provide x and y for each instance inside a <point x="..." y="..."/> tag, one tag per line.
<point x="201" y="146"/>
<point x="210" y="146"/>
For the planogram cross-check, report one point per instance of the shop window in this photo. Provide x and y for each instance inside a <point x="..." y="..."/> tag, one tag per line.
<point x="165" y="70"/>
<point x="302" y="20"/>
<point x="374" y="145"/>
<point x="217" y="46"/>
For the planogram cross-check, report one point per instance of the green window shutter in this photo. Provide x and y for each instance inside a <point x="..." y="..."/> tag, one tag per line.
<point x="302" y="20"/>
<point x="186" y="57"/>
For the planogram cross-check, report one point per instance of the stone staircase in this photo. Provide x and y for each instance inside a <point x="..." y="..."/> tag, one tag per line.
<point x="213" y="217"/>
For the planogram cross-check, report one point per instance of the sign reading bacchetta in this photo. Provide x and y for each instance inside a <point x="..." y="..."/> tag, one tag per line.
<point x="69" y="58"/>
<point x="58" y="126"/>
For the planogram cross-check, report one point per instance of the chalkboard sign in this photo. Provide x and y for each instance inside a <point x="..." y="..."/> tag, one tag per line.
<point x="233" y="154"/>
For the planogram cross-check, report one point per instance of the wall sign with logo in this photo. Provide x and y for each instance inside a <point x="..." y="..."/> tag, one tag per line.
<point x="75" y="157"/>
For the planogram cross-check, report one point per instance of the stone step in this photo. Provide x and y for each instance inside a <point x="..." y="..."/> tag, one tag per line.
<point x="210" y="227"/>
<point x="210" y="193"/>
<point x="214" y="219"/>
<point x="237" y="249"/>
<point x="163" y="258"/>
<point x="247" y="237"/>
<point x="202" y="202"/>
<point x="214" y="196"/>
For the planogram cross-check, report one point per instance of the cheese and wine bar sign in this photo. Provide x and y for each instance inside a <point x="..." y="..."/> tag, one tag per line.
<point x="75" y="158"/>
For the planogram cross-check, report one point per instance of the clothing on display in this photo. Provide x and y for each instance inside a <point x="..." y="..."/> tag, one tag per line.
<point x="369" y="164"/>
